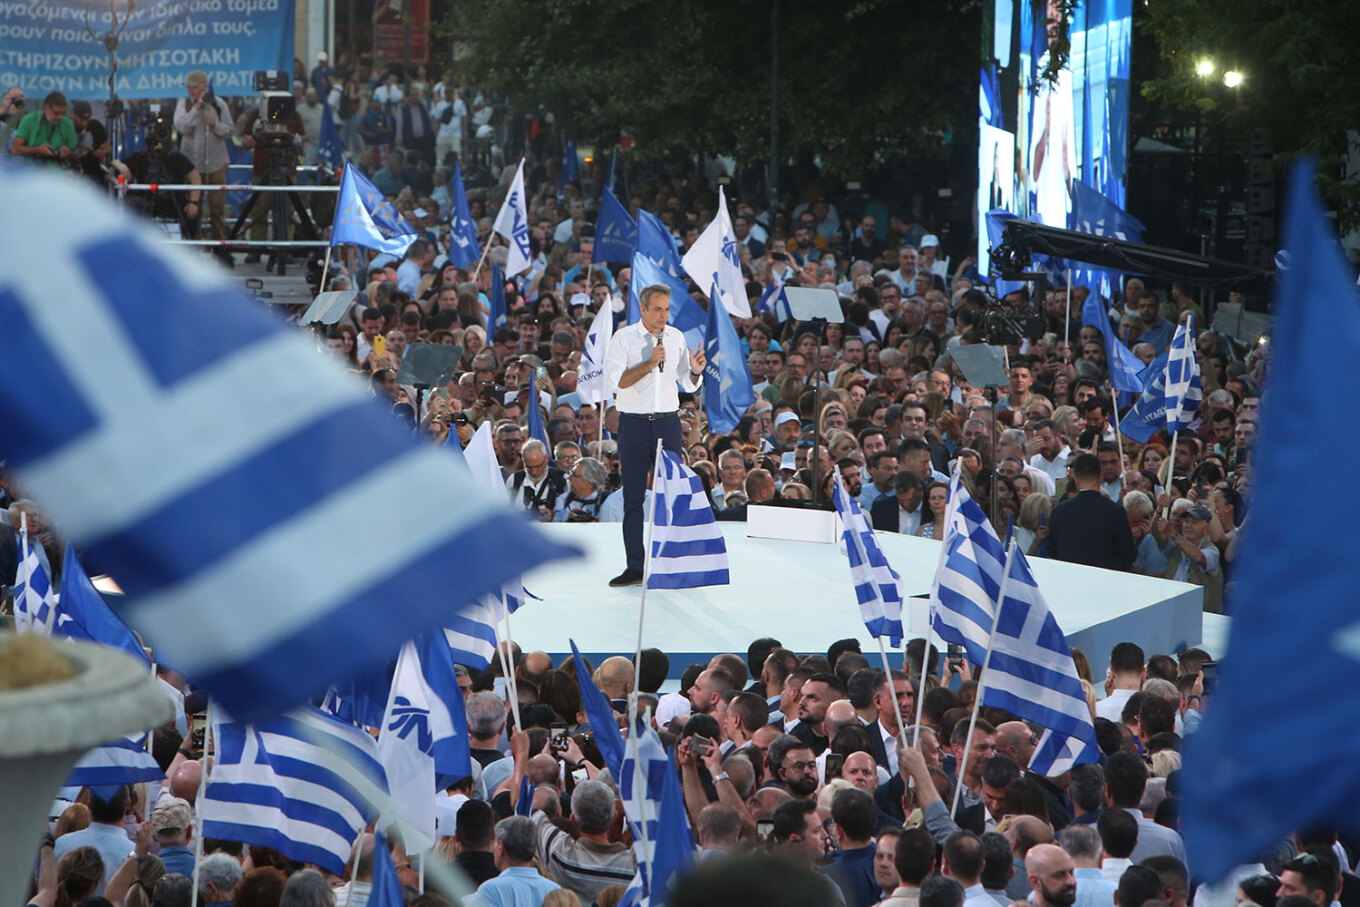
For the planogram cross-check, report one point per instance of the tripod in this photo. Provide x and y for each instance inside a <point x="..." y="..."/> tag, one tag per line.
<point x="115" y="116"/>
<point x="281" y="162"/>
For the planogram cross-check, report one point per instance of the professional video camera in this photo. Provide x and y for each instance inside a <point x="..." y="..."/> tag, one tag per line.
<point x="997" y="325"/>
<point x="274" y="137"/>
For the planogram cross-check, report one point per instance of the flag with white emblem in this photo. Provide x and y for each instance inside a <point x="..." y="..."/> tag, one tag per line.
<point x="713" y="262"/>
<point x="513" y="223"/>
<point x="463" y="248"/>
<point x="364" y="217"/>
<point x="202" y="454"/>
<point x="728" y="388"/>
<point x="591" y="385"/>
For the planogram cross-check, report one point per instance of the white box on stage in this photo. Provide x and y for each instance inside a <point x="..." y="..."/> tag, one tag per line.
<point x="793" y="524"/>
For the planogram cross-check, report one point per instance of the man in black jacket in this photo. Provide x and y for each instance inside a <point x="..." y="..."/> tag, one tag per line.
<point x="1090" y="528"/>
<point x="537" y="486"/>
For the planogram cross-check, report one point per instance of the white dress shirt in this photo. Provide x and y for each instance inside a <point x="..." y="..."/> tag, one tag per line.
<point x="657" y="391"/>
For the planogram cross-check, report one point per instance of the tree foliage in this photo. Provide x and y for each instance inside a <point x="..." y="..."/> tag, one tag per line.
<point x="862" y="83"/>
<point x="1297" y="61"/>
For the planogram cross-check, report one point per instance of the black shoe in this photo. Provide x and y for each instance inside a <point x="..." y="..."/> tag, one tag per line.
<point x="627" y="578"/>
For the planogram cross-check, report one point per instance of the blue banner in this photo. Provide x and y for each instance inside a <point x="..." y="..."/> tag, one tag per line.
<point x="45" y="47"/>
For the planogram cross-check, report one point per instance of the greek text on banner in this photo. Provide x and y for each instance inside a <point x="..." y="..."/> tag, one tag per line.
<point x="45" y="47"/>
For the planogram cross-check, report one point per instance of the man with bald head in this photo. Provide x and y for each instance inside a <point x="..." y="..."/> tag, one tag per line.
<point x="1016" y="740"/>
<point x="534" y="667"/>
<point x="614" y="677"/>
<point x="186" y="779"/>
<point x="1051" y="875"/>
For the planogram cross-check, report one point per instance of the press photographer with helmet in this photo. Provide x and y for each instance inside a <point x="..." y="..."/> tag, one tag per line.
<point x="161" y="163"/>
<point x="204" y="124"/>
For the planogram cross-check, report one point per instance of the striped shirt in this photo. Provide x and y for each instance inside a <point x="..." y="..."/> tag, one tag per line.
<point x="584" y="866"/>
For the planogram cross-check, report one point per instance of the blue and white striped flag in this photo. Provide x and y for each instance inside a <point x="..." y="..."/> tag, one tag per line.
<point x="34" y="604"/>
<point x="303" y="783"/>
<point x="968" y="580"/>
<point x="877" y="585"/>
<point x="472" y="634"/>
<point x="1183" y="393"/>
<point x="1030" y="674"/>
<point x="216" y="478"/>
<point x="688" y="548"/>
<point x="652" y="801"/>
<point x="775" y="301"/>
<point x="123" y="761"/>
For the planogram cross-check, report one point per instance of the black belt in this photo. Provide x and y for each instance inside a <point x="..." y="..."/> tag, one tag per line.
<point x="651" y="417"/>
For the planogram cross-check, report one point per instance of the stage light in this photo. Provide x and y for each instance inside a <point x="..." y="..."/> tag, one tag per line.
<point x="1204" y="68"/>
<point x="1232" y="78"/>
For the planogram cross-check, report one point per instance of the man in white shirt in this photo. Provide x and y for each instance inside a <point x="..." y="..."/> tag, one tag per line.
<point x="1052" y="456"/>
<point x="419" y="258"/>
<point x="646" y="364"/>
<point x="1124" y="678"/>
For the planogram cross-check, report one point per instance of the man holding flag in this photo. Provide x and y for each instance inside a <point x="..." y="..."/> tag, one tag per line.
<point x="645" y="364"/>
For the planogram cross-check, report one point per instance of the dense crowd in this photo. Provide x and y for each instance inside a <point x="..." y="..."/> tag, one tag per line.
<point x="805" y="767"/>
<point x="800" y="758"/>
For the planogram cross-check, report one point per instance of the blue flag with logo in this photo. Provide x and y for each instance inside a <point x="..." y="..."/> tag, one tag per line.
<point x="1095" y="214"/>
<point x="463" y="248"/>
<point x="571" y="169"/>
<point x="1148" y="414"/>
<point x="1294" y="596"/>
<point x="656" y="243"/>
<point x="685" y="312"/>
<point x="364" y="217"/>
<point x="386" y="890"/>
<point x="498" y="317"/>
<point x="599" y="714"/>
<point x="330" y="151"/>
<point x="82" y="612"/>
<point x="728" y="388"/>
<point x="254" y="594"/>
<point x="1123" y="365"/>
<point x="616" y="233"/>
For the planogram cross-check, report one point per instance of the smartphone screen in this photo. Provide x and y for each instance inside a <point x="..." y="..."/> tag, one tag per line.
<point x="559" y="737"/>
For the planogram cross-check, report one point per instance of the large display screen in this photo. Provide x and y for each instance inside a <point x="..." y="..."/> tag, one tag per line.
<point x="1042" y="134"/>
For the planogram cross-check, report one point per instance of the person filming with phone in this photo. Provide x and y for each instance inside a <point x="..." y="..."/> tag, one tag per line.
<point x="646" y="364"/>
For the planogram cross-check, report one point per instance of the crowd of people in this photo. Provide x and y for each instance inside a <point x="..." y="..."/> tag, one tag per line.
<point x="810" y="767"/>
<point x="801" y="759"/>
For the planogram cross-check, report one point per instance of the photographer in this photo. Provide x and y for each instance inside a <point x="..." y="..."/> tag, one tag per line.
<point x="160" y="163"/>
<point x="11" y="111"/>
<point x="47" y="135"/>
<point x="204" y="124"/>
<point x="587" y="484"/>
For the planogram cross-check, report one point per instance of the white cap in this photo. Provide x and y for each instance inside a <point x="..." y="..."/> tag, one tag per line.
<point x="321" y="56"/>
<point x="580" y="299"/>
<point x="787" y="415"/>
<point x="930" y="239"/>
<point x="786" y="462"/>
<point x="421" y="212"/>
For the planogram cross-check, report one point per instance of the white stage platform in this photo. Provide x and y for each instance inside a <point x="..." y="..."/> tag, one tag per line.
<point x="800" y="593"/>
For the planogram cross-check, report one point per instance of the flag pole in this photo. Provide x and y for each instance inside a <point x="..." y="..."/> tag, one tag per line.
<point x="325" y="269"/>
<point x="1170" y="470"/>
<point x="1118" y="437"/>
<point x="982" y="678"/>
<point x="646" y="570"/>
<point x="950" y="510"/>
<point x="639" y="775"/>
<point x="481" y="261"/>
<point x="511" y="682"/>
<point x="1067" y="315"/>
<point x="892" y="691"/>
<point x="208" y="741"/>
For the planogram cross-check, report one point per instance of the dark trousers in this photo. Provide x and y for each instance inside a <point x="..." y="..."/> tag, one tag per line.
<point x="637" y="454"/>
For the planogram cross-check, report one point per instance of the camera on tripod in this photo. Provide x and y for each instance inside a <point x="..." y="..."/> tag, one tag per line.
<point x="274" y="136"/>
<point x="997" y="325"/>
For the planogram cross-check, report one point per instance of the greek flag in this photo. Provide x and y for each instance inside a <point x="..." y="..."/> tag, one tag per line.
<point x="1183" y="394"/>
<point x="1031" y="672"/>
<point x="877" y="585"/>
<point x="463" y="248"/>
<point x="650" y="789"/>
<point x="34" y="603"/>
<point x="82" y="612"/>
<point x="364" y="217"/>
<point x="152" y="451"/>
<point x="591" y="385"/>
<point x="513" y="223"/>
<point x="124" y="761"/>
<point x="688" y="548"/>
<point x="713" y="264"/>
<point x="303" y="783"/>
<point x="1031" y="675"/>
<point x="968" y="579"/>
<point x="419" y="727"/>
<point x="775" y="301"/>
